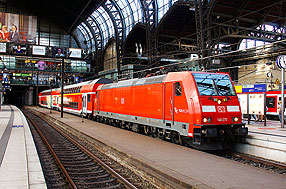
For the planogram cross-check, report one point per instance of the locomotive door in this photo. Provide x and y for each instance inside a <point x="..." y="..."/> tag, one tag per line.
<point x="84" y="103"/>
<point x="168" y="94"/>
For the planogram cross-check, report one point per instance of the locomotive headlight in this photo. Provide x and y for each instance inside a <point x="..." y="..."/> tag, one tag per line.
<point x="205" y="120"/>
<point x="235" y="119"/>
<point x="219" y="101"/>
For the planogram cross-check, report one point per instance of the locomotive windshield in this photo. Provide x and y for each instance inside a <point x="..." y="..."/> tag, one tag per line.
<point x="214" y="84"/>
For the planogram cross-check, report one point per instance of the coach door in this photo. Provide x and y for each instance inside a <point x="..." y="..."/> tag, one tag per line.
<point x="84" y="103"/>
<point x="97" y="97"/>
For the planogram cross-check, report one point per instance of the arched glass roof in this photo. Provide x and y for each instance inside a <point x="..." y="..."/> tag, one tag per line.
<point x="105" y="23"/>
<point x="129" y="10"/>
<point x="163" y="7"/>
<point x="86" y="33"/>
<point x="250" y="43"/>
<point x="132" y="12"/>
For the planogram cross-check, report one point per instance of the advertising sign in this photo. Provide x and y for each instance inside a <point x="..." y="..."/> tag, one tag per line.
<point x="19" y="49"/>
<point x="3" y="48"/>
<point x="17" y="28"/>
<point x="243" y="102"/>
<point x="39" y="50"/>
<point x="75" y="53"/>
<point x="256" y="103"/>
<point x="41" y="65"/>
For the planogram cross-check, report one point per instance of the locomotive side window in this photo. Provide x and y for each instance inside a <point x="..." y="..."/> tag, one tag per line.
<point x="270" y="102"/>
<point x="178" y="89"/>
<point x="88" y="97"/>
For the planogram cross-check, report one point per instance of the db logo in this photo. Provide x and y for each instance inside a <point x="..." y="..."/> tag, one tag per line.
<point x="221" y="109"/>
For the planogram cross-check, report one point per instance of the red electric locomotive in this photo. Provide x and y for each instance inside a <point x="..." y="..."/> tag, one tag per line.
<point x="200" y="109"/>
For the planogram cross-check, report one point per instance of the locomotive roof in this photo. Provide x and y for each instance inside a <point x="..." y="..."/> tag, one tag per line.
<point x="135" y="82"/>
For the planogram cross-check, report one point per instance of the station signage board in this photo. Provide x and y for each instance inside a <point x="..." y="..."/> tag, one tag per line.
<point x="254" y="88"/>
<point x="238" y="89"/>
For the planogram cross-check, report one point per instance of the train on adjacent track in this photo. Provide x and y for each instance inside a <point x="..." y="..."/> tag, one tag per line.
<point x="198" y="109"/>
<point x="272" y="99"/>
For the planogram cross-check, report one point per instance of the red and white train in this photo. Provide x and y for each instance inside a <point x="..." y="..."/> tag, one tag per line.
<point x="272" y="99"/>
<point x="196" y="108"/>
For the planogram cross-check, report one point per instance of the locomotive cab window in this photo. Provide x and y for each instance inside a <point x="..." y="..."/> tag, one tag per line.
<point x="214" y="84"/>
<point x="88" y="98"/>
<point x="178" y="89"/>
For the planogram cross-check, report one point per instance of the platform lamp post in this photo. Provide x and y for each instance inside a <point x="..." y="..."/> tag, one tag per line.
<point x="52" y="82"/>
<point x="62" y="81"/>
<point x="281" y="63"/>
<point x="37" y="89"/>
<point x="62" y="86"/>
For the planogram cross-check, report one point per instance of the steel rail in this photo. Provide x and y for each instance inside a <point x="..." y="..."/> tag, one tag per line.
<point x="261" y="160"/>
<point x="108" y="169"/>
<point x="69" y="179"/>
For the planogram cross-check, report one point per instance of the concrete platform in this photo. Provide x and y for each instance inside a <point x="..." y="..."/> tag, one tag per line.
<point x="268" y="141"/>
<point x="189" y="166"/>
<point x="19" y="163"/>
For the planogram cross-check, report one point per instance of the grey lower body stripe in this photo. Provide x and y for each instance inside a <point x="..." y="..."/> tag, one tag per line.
<point x="6" y="135"/>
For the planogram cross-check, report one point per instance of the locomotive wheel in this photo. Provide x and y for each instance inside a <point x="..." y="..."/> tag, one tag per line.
<point x="113" y="122"/>
<point x="147" y="130"/>
<point x="154" y="132"/>
<point x="176" y="138"/>
<point x="123" y="125"/>
<point x="161" y="134"/>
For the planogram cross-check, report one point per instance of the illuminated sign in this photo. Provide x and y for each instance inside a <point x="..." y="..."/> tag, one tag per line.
<point x="41" y="65"/>
<point x="22" y="74"/>
<point x="3" y="48"/>
<point x="75" y="53"/>
<point x="39" y="50"/>
<point x="254" y="88"/>
<point x="18" y="28"/>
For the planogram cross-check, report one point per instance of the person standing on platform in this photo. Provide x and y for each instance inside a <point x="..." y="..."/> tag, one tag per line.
<point x="279" y="110"/>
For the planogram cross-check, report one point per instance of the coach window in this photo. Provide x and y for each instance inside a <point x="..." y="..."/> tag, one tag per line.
<point x="270" y="102"/>
<point x="88" y="98"/>
<point x="178" y="89"/>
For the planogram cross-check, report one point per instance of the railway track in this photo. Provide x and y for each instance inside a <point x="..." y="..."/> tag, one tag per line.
<point x="253" y="161"/>
<point x="73" y="166"/>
